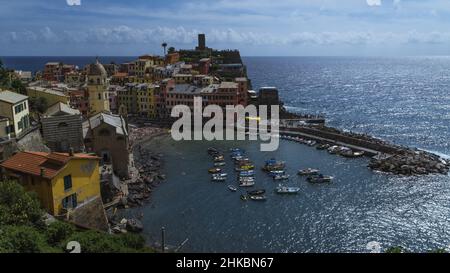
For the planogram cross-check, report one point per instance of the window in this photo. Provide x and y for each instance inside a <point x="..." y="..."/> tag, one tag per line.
<point x="70" y="201"/>
<point x="18" y="108"/>
<point x="67" y="182"/>
<point x="99" y="96"/>
<point x="63" y="124"/>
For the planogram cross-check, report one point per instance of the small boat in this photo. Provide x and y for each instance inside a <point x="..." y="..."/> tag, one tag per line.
<point x="308" y="171"/>
<point x="333" y="149"/>
<point x="287" y="190"/>
<point x="245" y="168"/>
<point x="245" y="184"/>
<point x="311" y="143"/>
<point x="234" y="150"/>
<point x="281" y="177"/>
<point x="351" y="154"/>
<point x="218" y="178"/>
<point x="323" y="146"/>
<point x="246" y="173"/>
<point x="244" y="197"/>
<point x="218" y="158"/>
<point x="256" y="192"/>
<point x="214" y="170"/>
<point x="276" y="173"/>
<point x="258" y="197"/>
<point x="220" y="174"/>
<point x="232" y="188"/>
<point x="247" y="179"/>
<point x="219" y="164"/>
<point x="320" y="178"/>
<point x="212" y="151"/>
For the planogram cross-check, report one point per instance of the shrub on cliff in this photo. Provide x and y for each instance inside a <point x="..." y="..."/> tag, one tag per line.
<point x="18" y="207"/>
<point x="97" y="242"/>
<point x="23" y="239"/>
<point x="59" y="231"/>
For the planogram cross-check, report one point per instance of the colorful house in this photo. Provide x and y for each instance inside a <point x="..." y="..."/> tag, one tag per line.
<point x="61" y="181"/>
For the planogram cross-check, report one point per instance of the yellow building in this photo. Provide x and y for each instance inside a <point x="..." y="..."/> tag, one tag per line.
<point x="146" y="102"/>
<point x="98" y="89"/>
<point x="61" y="181"/>
<point x="51" y="96"/>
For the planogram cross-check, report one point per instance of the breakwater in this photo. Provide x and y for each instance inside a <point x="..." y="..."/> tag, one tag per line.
<point x="386" y="157"/>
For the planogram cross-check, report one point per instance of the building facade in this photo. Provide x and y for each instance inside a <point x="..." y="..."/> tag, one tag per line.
<point x="62" y="128"/>
<point x="107" y="136"/>
<point x="15" y="107"/>
<point x="61" y="181"/>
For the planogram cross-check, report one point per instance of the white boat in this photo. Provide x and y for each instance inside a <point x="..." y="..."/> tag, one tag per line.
<point x="257" y="197"/>
<point x="218" y="179"/>
<point x="220" y="175"/>
<point x="232" y="188"/>
<point x="281" y="177"/>
<point x="308" y="171"/>
<point x="219" y="164"/>
<point x="247" y="184"/>
<point x="246" y="179"/>
<point x="287" y="190"/>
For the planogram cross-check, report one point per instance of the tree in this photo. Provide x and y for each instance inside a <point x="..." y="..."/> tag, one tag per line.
<point x="18" y="86"/>
<point x="39" y="104"/>
<point x="171" y="50"/>
<point x="18" y="207"/>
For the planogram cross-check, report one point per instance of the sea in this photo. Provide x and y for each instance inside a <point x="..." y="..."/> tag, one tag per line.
<point x="405" y="100"/>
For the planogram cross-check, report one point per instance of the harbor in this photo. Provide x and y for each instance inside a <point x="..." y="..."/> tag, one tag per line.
<point x="343" y="215"/>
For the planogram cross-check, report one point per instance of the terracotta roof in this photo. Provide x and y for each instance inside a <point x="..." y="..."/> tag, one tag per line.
<point x="33" y="162"/>
<point x="120" y="74"/>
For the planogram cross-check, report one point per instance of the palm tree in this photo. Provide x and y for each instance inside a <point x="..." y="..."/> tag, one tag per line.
<point x="164" y="45"/>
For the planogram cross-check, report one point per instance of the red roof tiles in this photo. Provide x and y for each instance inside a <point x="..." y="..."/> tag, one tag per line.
<point x="33" y="162"/>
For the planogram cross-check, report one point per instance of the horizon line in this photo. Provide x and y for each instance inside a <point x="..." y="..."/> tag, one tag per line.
<point x="278" y="56"/>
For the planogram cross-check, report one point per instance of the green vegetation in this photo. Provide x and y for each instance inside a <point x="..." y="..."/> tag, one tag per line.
<point x="39" y="104"/>
<point x="8" y="81"/>
<point x="22" y="229"/>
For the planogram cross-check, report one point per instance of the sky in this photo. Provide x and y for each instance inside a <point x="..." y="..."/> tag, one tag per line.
<point x="255" y="27"/>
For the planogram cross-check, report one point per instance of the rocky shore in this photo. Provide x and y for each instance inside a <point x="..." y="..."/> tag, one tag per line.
<point x="146" y="175"/>
<point x="410" y="162"/>
<point x="149" y="165"/>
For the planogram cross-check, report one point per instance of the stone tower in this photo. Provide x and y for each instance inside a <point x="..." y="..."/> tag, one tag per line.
<point x="97" y="88"/>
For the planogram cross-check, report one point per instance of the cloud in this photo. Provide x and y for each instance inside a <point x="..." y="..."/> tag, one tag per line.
<point x="181" y="36"/>
<point x="73" y="2"/>
<point x="373" y="3"/>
